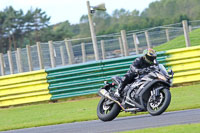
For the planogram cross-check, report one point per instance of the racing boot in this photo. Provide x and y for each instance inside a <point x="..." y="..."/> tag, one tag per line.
<point x="123" y="83"/>
<point x="119" y="89"/>
<point x="117" y="94"/>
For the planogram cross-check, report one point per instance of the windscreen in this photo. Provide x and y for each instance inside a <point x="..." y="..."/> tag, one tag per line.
<point x="163" y="69"/>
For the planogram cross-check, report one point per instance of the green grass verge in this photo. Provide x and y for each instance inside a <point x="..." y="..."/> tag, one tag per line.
<point x="179" y="42"/>
<point x="187" y="97"/>
<point x="187" y="128"/>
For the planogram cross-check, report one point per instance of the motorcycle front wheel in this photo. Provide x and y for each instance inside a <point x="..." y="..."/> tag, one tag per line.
<point x="160" y="104"/>
<point x="107" y="112"/>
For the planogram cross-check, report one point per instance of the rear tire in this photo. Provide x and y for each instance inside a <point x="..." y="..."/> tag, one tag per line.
<point x="164" y="105"/>
<point x="107" y="115"/>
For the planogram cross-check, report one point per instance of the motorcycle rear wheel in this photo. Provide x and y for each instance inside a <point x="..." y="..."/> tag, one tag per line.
<point x="107" y="113"/>
<point x="163" y="104"/>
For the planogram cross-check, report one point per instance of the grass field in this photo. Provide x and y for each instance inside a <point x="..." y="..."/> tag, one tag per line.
<point x="187" y="128"/>
<point x="186" y="97"/>
<point x="179" y="42"/>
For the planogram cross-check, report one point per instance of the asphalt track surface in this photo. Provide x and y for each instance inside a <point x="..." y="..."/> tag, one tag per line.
<point x="119" y="124"/>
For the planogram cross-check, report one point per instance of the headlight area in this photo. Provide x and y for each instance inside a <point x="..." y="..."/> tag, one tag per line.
<point x="160" y="76"/>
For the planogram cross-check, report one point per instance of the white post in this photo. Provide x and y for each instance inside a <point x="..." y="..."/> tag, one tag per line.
<point x="103" y="50"/>
<point x="51" y="52"/>
<point x="40" y="55"/>
<point x="93" y="34"/>
<point x="186" y="33"/>
<point x="10" y="62"/>
<point x="70" y="52"/>
<point x="83" y="52"/>
<point x="125" y="44"/>
<point x="16" y="59"/>
<point x="121" y="46"/>
<point x="19" y="60"/>
<point x="30" y="65"/>
<point x="135" y="43"/>
<point x="2" y="64"/>
<point x="147" y="39"/>
<point x="190" y="28"/>
<point x="167" y="35"/>
<point x="62" y="55"/>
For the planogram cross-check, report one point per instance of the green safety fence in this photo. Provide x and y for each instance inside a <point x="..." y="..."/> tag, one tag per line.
<point x="75" y="80"/>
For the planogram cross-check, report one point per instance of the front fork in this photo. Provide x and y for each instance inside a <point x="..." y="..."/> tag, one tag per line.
<point x="156" y="92"/>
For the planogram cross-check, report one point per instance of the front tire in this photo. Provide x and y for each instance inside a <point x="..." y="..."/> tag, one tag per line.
<point x="107" y="113"/>
<point x="154" y="109"/>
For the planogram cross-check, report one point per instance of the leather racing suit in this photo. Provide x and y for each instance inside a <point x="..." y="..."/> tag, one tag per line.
<point x="138" y="65"/>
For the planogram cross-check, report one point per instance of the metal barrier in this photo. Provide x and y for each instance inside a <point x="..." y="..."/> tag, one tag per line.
<point x="185" y="62"/>
<point x="75" y="80"/>
<point x="23" y="88"/>
<point x="87" y="78"/>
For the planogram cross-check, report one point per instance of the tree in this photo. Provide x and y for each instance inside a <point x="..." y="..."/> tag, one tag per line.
<point x="40" y="21"/>
<point x="16" y="27"/>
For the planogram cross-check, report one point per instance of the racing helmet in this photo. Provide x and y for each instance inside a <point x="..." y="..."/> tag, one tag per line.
<point x="149" y="55"/>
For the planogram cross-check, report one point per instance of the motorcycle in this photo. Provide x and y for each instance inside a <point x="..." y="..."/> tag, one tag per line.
<point x="149" y="92"/>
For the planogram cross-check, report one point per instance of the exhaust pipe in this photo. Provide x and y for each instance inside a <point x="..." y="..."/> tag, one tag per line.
<point x="106" y="94"/>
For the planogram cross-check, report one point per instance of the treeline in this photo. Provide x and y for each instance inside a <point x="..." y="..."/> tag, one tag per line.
<point x="19" y="29"/>
<point x="158" y="13"/>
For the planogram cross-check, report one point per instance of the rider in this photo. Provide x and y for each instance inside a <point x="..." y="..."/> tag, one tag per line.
<point x="138" y="66"/>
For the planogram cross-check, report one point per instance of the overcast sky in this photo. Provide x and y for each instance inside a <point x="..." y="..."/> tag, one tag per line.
<point x="72" y="10"/>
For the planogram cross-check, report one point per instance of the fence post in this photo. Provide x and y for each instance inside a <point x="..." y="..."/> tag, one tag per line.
<point x="2" y="64"/>
<point x="125" y="44"/>
<point x="167" y="34"/>
<point x="40" y="55"/>
<point x="83" y="52"/>
<point x="186" y="33"/>
<point x="62" y="55"/>
<point x="190" y="28"/>
<point x="135" y="42"/>
<point x="103" y="50"/>
<point x="19" y="60"/>
<point x="16" y="59"/>
<point x="121" y="46"/>
<point x="51" y="52"/>
<point x="147" y="39"/>
<point x="10" y="62"/>
<point x="28" y="50"/>
<point x="70" y="52"/>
